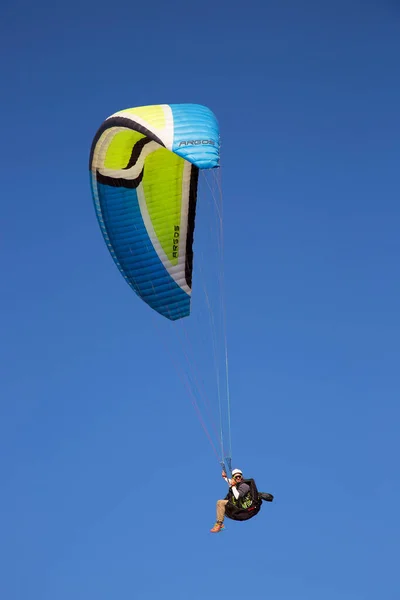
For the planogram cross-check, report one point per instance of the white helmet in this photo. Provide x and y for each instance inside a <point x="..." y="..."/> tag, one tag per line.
<point x="236" y="472"/>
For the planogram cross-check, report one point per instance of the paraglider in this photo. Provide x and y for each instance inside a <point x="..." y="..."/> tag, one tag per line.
<point x="242" y="502"/>
<point x="144" y="170"/>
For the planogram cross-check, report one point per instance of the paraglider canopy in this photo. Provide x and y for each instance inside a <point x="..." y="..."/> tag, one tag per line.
<point x="144" y="165"/>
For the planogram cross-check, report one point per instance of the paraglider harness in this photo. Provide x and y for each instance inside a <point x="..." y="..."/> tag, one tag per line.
<point x="247" y="507"/>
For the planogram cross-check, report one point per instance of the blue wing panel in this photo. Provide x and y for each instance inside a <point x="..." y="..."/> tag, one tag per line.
<point x="125" y="234"/>
<point x="196" y="135"/>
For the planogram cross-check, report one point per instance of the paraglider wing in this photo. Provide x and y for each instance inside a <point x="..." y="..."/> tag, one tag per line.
<point x="144" y="167"/>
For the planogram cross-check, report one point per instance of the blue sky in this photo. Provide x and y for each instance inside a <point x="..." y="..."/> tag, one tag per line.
<point x="96" y="429"/>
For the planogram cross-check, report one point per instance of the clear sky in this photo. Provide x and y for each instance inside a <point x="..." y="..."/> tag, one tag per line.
<point x="108" y="484"/>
